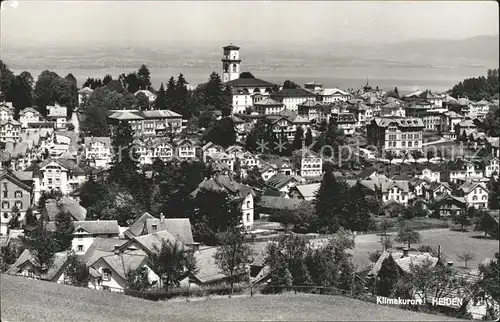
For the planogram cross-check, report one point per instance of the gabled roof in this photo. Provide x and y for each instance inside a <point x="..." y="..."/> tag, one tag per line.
<point x="53" y="208"/>
<point x="59" y="263"/>
<point x="403" y="185"/>
<point x="101" y="246"/>
<point x="433" y="186"/>
<point x="270" y="202"/>
<point x="123" y="262"/>
<point x="293" y="92"/>
<point x="223" y="183"/>
<point x="68" y="164"/>
<point x="249" y="82"/>
<point x="138" y="227"/>
<point x="148" y="242"/>
<point x="208" y="270"/>
<point x="106" y="140"/>
<point x="231" y="47"/>
<point x="10" y="175"/>
<point x="468" y="187"/>
<point x="180" y="228"/>
<point x="307" y="190"/>
<point x="161" y="114"/>
<point x="269" y="102"/>
<point x="85" y="90"/>
<point x="401" y="122"/>
<point x="109" y="227"/>
<point x="404" y="263"/>
<point x="279" y="180"/>
<point x="29" y="110"/>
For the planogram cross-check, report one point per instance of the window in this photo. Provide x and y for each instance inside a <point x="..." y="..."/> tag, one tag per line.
<point x="19" y="205"/>
<point x="474" y="198"/>
<point x="106" y="274"/>
<point x="484" y="198"/>
<point x="5" y="215"/>
<point x="19" y="194"/>
<point x="155" y="227"/>
<point x="234" y="68"/>
<point x="5" y="189"/>
<point x="80" y="248"/>
<point x="248" y="204"/>
<point x="248" y="217"/>
<point x="5" y="205"/>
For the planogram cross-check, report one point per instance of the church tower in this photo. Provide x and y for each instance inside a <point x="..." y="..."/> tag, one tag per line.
<point x="230" y="63"/>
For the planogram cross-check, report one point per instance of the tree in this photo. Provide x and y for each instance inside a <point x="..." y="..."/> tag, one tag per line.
<point x="462" y="218"/>
<point x="41" y="245"/>
<point x="288" y="84"/>
<point x="387" y="277"/>
<point x="14" y="222"/>
<point x="6" y="79"/>
<point x="181" y="96"/>
<point x="161" y="99"/>
<point x="54" y="194"/>
<point x="214" y="92"/>
<point x="407" y="235"/>
<point x="233" y="254"/>
<point x="416" y="155"/>
<point x="63" y="235"/>
<point x="466" y="256"/>
<point x="309" y="138"/>
<point x="374" y="256"/>
<point x="170" y="96"/>
<point x="142" y="101"/>
<point x="429" y="155"/>
<point x="43" y="92"/>
<point x="396" y="92"/>
<point x="137" y="279"/>
<point x="298" y="139"/>
<point x="286" y="217"/>
<point x="222" y="132"/>
<point x="389" y="155"/>
<point x="494" y="195"/>
<point x="30" y="218"/>
<point x="172" y="263"/>
<point x="489" y="284"/>
<point x="143" y="76"/>
<point x="77" y="272"/>
<point x="404" y="157"/>
<point x="20" y="92"/>
<point x="125" y="160"/>
<point x="107" y="78"/>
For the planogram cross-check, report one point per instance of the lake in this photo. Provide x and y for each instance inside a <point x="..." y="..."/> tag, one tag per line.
<point x="407" y="79"/>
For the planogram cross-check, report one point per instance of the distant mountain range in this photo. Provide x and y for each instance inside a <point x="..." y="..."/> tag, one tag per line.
<point x="480" y="51"/>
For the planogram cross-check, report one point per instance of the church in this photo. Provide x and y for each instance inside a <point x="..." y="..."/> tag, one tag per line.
<point x="246" y="89"/>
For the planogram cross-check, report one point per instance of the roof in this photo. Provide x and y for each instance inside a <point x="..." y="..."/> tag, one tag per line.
<point x="101" y="246"/>
<point x="293" y="92"/>
<point x="401" y="184"/>
<point x="453" y="115"/>
<point x="330" y="92"/>
<point x="57" y="111"/>
<point x="467" y="123"/>
<point x="271" y="202"/>
<point x="138" y="227"/>
<point x="467" y="187"/>
<point x="98" y="226"/>
<point x="156" y="114"/>
<point x="17" y="180"/>
<point x="85" y="90"/>
<point x="68" y="164"/>
<point x="106" y="140"/>
<point x="307" y="190"/>
<point x="279" y="180"/>
<point x="53" y="272"/>
<point x="29" y="109"/>
<point x="208" y="270"/>
<point x="125" y="115"/>
<point x="180" y="228"/>
<point x="52" y="209"/>
<point x="433" y="186"/>
<point x="268" y="101"/>
<point x="231" y="47"/>
<point x="343" y="118"/>
<point x="123" y="262"/>
<point x="401" y="122"/>
<point x="150" y="241"/>
<point x="223" y="183"/>
<point x="403" y="262"/>
<point x="250" y="82"/>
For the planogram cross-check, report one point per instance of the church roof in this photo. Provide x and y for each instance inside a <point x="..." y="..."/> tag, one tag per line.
<point x="249" y="82"/>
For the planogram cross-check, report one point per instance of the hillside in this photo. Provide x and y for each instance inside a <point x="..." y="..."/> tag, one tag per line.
<point x="28" y="300"/>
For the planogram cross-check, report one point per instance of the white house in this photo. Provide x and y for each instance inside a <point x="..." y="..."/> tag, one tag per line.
<point x="29" y="115"/>
<point x="58" y="114"/>
<point x="491" y="167"/>
<point x="98" y="150"/>
<point x="430" y="175"/>
<point x="241" y="100"/>
<point x="309" y="163"/>
<point x="291" y="98"/>
<point x="475" y="194"/>
<point x="395" y="190"/>
<point x="62" y="174"/>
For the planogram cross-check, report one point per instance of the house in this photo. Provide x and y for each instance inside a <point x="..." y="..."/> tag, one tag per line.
<point x="84" y="94"/>
<point x="87" y="231"/>
<point x="309" y="163"/>
<point x="479" y="109"/>
<point x="436" y="189"/>
<point x="404" y="261"/>
<point x="345" y="121"/>
<point x="362" y="112"/>
<point x="15" y="191"/>
<point x="313" y="110"/>
<point x="222" y="160"/>
<point x="417" y="186"/>
<point x="475" y="194"/>
<point x="152" y="123"/>
<point x="26" y="265"/>
<point x="283" y="183"/>
<point x="268" y="106"/>
<point x="149" y="149"/>
<point x="58" y="114"/>
<point x="52" y="208"/>
<point x="187" y="149"/>
<point x="208" y="272"/>
<point x="6" y="112"/>
<point x="247" y="160"/>
<point x="209" y="149"/>
<point x="138" y="227"/>
<point x="62" y="142"/>
<point x="29" y="115"/>
<point x="330" y="95"/>
<point x="180" y="228"/>
<point x="395" y="134"/>
<point x="491" y="167"/>
<point x="395" y="190"/>
<point x="240" y="194"/>
<point x="268" y="171"/>
<point x="431" y="174"/>
<point x="248" y="82"/>
<point x="449" y="120"/>
<point x="241" y="100"/>
<point x="393" y="109"/>
<point x="448" y="205"/>
<point x="62" y="174"/>
<point x="465" y="128"/>
<point x="110" y="270"/>
<point x="305" y="192"/>
<point x="151" y="97"/>
<point x="10" y="130"/>
<point x="98" y="150"/>
<point x="291" y="97"/>
<point x="286" y="123"/>
<point x="492" y="146"/>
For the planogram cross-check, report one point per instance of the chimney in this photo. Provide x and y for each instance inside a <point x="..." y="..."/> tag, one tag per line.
<point x="405" y="252"/>
<point x="117" y="249"/>
<point x="161" y="217"/>
<point x="449" y="264"/>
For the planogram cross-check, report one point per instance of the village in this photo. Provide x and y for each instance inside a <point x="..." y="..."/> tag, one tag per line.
<point x="113" y="183"/>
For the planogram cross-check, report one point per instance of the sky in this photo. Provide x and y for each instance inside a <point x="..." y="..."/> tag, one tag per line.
<point x="162" y="22"/>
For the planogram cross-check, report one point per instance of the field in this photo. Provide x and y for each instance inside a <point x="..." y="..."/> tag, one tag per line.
<point x="29" y="300"/>
<point x="451" y="242"/>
